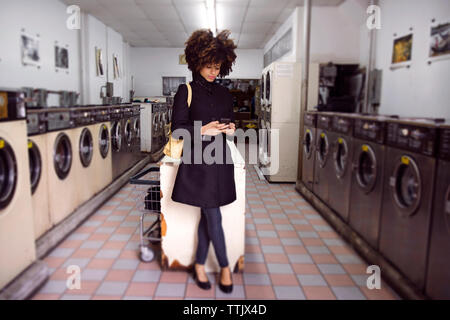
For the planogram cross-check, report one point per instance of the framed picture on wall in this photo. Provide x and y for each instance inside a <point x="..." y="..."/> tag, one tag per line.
<point x="99" y="62"/>
<point x="61" y="58"/>
<point x="170" y="85"/>
<point x="439" y="41"/>
<point x="402" y="51"/>
<point x="182" y="59"/>
<point x="30" y="50"/>
<point x="116" y="66"/>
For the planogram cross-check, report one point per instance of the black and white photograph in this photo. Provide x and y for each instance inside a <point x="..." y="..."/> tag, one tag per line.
<point x="116" y="66"/>
<point x="99" y="61"/>
<point x="61" y="57"/>
<point x="30" y="50"/>
<point x="440" y="41"/>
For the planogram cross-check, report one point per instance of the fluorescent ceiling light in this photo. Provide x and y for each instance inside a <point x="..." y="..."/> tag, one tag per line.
<point x="211" y="15"/>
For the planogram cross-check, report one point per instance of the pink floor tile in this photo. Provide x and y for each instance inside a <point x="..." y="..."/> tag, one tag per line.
<point x="45" y="296"/>
<point x="132" y="218"/>
<point x="256" y="206"/>
<point x="135" y="237"/>
<point x="319" y="222"/>
<point x="59" y="274"/>
<point x="328" y="235"/>
<point x="125" y="230"/>
<point x="70" y="244"/>
<point x="274" y="210"/>
<point x="270" y="241"/>
<point x="98" y="218"/>
<point x="114" y="245"/>
<point x="280" y="221"/>
<point x="168" y="298"/>
<point x="84" y="229"/>
<point x="264" y="227"/>
<point x="339" y="280"/>
<point x="193" y="291"/>
<point x="154" y="265"/>
<point x="248" y="220"/>
<point x="378" y="294"/>
<point x="141" y="289"/>
<point x="128" y="203"/>
<point x="254" y="267"/>
<point x="309" y="211"/>
<point x="276" y="258"/>
<point x="100" y="264"/>
<point x="341" y="250"/>
<point x="287" y="234"/>
<point x="305" y="268"/>
<point x="54" y="262"/>
<point x="105" y="207"/>
<point x="318" y="293"/>
<point x="251" y="233"/>
<point x="324" y="258"/>
<point x="355" y="269"/>
<point x="284" y="280"/>
<point x="260" y="215"/>
<point x="312" y="242"/>
<point x="129" y="254"/>
<point x="84" y="253"/>
<point x="295" y="249"/>
<point x="120" y="212"/>
<point x="99" y="237"/>
<point x="111" y="224"/>
<point x="252" y="248"/>
<point x="106" y="297"/>
<point x="119" y="275"/>
<point x="303" y="227"/>
<point x="259" y="292"/>
<point x="87" y="288"/>
<point x="173" y="276"/>
<point x="237" y="278"/>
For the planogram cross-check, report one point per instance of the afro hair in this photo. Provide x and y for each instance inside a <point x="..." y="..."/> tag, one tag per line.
<point x="202" y="48"/>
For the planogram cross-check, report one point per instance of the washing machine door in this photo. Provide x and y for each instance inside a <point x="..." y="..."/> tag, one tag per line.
<point x="62" y="155"/>
<point x="269" y="143"/>
<point x="86" y="147"/>
<point x="340" y="156"/>
<point x="406" y="186"/>
<point x="268" y="97"/>
<point x="322" y="149"/>
<point x="103" y="141"/>
<point x="263" y="90"/>
<point x="8" y="173"/>
<point x="128" y="132"/>
<point x="308" y="141"/>
<point x="35" y="161"/>
<point x="116" y="136"/>
<point x="136" y="128"/>
<point x="155" y="123"/>
<point x="365" y="167"/>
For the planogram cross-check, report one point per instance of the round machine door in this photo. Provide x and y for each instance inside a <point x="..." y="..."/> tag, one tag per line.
<point x="128" y="132"/>
<point x="263" y="92"/>
<point x="136" y="128"/>
<point x="35" y="161"/>
<point x="269" y="143"/>
<point x="62" y="155"/>
<point x="365" y="167"/>
<point x="308" y="141"/>
<point x="116" y="136"/>
<point x="103" y="141"/>
<point x="322" y="149"/>
<point x="155" y="123"/>
<point x="86" y="147"/>
<point x="268" y="97"/>
<point x="447" y="208"/>
<point x="406" y="186"/>
<point x="340" y="156"/>
<point x="8" y="173"/>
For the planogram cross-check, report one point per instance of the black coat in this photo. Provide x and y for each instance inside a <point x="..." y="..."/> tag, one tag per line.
<point x="203" y="185"/>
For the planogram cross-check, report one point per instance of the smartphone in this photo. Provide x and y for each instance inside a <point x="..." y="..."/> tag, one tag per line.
<point x="225" y="120"/>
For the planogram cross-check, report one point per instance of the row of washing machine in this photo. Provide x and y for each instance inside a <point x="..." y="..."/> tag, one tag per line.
<point x="52" y="160"/>
<point x="388" y="178"/>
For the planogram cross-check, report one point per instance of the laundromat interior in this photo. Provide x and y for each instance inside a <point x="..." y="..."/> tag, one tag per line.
<point x="342" y="181"/>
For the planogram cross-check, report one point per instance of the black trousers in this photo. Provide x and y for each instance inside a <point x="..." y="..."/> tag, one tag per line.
<point x="210" y="229"/>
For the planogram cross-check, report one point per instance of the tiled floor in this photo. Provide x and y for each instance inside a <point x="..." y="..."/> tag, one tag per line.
<point x="291" y="253"/>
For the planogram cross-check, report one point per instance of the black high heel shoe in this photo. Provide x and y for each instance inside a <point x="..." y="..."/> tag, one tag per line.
<point x="226" y="288"/>
<point x="203" y="285"/>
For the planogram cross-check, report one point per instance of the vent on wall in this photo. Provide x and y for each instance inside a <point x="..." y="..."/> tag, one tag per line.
<point x="279" y="49"/>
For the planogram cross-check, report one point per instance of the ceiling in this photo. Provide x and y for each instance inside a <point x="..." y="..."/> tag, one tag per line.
<point x="168" y="23"/>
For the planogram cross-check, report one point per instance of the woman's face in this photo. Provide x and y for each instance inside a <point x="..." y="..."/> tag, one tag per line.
<point x="210" y="71"/>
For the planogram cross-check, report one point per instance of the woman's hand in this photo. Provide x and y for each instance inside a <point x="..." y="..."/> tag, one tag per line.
<point x="214" y="128"/>
<point x="231" y="129"/>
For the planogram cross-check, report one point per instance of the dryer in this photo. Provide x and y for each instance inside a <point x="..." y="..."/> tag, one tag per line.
<point x="263" y="89"/>
<point x="102" y="161"/>
<point x="61" y="150"/>
<point x="117" y="147"/>
<point x="408" y="195"/>
<point x="323" y="166"/>
<point x="438" y="275"/>
<point x="83" y="155"/>
<point x="309" y="145"/>
<point x="341" y="140"/>
<point x="17" y="246"/>
<point x="367" y="181"/>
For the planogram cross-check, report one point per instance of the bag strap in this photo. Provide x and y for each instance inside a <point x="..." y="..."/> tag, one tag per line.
<point x="189" y="98"/>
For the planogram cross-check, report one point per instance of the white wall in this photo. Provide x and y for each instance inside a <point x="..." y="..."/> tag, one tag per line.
<point x="335" y="33"/>
<point x="48" y="19"/>
<point x="422" y="90"/>
<point x="149" y="65"/>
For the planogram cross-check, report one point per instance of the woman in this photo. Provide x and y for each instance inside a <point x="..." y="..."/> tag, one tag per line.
<point x="205" y="185"/>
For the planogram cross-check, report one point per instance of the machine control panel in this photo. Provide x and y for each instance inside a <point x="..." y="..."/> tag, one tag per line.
<point x="413" y="137"/>
<point x="324" y="121"/>
<point x="310" y="119"/>
<point x="371" y="130"/>
<point x="343" y="125"/>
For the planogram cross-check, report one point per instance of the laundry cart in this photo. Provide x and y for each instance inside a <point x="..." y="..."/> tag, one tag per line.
<point x="179" y="222"/>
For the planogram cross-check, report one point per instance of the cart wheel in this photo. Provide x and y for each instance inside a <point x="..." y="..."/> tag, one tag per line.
<point x="156" y="233"/>
<point x="147" y="254"/>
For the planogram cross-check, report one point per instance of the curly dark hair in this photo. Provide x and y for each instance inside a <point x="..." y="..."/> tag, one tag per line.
<point x="203" y="48"/>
